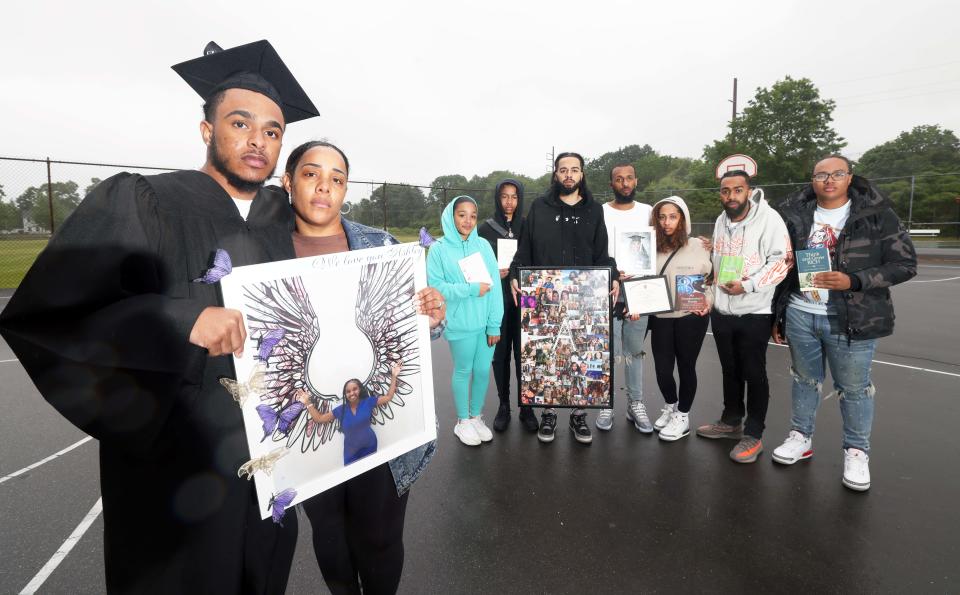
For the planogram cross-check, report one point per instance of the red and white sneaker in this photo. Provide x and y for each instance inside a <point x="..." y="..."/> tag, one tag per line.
<point x="795" y="448"/>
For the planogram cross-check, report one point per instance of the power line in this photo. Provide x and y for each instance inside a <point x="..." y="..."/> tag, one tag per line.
<point x="898" y="90"/>
<point x="876" y="76"/>
<point x="901" y="97"/>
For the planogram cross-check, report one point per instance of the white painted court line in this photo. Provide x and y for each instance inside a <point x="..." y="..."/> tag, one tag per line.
<point x="8" y="361"/>
<point x="876" y="361"/>
<point x="61" y="553"/>
<point x="46" y="460"/>
<point x="935" y="280"/>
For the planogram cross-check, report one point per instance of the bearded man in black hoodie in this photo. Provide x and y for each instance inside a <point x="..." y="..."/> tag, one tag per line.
<point x="564" y="229"/>
<point x="506" y="224"/>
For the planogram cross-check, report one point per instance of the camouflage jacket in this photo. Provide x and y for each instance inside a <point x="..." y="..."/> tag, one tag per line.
<point x="874" y="249"/>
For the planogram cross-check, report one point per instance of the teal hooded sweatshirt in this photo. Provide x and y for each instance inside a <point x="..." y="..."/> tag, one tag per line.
<point x="467" y="312"/>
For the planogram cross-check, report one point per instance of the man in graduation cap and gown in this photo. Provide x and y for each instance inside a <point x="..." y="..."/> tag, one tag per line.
<point x="117" y="335"/>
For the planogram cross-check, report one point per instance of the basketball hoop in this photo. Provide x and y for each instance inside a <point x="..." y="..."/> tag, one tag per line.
<point x="737" y="162"/>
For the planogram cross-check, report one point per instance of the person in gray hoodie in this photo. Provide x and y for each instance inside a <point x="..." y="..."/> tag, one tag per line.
<point x="750" y="257"/>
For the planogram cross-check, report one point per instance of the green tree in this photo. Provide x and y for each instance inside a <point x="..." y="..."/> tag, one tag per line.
<point x="34" y="203"/>
<point x="786" y="128"/>
<point x="10" y="217"/>
<point x="927" y="149"/>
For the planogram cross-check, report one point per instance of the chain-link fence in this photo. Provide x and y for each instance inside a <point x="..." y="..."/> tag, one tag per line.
<point x="37" y="195"/>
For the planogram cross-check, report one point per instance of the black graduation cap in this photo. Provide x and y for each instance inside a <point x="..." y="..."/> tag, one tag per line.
<point x="256" y="67"/>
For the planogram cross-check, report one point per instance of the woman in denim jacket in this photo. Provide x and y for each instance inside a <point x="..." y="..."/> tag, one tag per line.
<point x="357" y="525"/>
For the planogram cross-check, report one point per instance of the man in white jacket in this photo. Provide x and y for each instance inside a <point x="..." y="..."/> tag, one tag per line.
<point x="751" y="249"/>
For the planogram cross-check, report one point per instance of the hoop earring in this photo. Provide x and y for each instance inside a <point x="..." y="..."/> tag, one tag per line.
<point x="349" y="208"/>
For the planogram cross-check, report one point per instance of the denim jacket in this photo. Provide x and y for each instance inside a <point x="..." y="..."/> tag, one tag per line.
<point x="407" y="467"/>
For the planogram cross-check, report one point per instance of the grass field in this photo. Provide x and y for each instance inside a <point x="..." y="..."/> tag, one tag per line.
<point x="16" y="256"/>
<point x="17" y="253"/>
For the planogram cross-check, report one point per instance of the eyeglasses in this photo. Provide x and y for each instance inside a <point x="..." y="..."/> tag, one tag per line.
<point x="837" y="176"/>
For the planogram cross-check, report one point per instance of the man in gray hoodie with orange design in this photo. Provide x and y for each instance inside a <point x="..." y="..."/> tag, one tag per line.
<point x="751" y="246"/>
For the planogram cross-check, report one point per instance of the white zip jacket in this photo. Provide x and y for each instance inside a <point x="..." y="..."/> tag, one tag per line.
<point x="764" y="243"/>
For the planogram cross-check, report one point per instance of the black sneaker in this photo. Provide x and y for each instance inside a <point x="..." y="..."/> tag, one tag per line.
<point x="580" y="429"/>
<point x="502" y="420"/>
<point x="528" y="419"/>
<point x="548" y="422"/>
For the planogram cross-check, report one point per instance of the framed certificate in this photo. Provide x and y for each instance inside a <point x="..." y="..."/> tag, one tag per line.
<point x="565" y="338"/>
<point x="647" y="295"/>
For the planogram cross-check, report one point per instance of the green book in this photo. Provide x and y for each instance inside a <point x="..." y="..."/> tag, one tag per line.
<point x="731" y="269"/>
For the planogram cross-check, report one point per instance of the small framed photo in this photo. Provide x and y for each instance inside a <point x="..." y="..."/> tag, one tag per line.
<point x="647" y="295"/>
<point x="635" y="251"/>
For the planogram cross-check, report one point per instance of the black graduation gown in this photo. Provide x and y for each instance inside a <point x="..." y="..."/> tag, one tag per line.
<point x="101" y="324"/>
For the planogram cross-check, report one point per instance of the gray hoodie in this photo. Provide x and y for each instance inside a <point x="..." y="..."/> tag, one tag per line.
<point x="764" y="243"/>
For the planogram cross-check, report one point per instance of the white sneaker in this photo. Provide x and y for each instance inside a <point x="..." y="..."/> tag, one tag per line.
<point x="605" y="419"/>
<point x="676" y="428"/>
<point x="795" y="448"/>
<point x="637" y="413"/>
<point x="856" y="469"/>
<point x="483" y="432"/>
<point x="665" y="414"/>
<point x="466" y="431"/>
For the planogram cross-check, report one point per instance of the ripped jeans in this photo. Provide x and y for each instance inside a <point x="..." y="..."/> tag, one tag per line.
<point x="812" y="346"/>
<point x="628" y="336"/>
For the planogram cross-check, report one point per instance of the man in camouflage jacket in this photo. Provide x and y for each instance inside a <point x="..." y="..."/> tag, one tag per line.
<point x="841" y="320"/>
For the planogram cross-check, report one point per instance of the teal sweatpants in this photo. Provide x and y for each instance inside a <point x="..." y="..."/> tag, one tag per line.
<point x="471" y="358"/>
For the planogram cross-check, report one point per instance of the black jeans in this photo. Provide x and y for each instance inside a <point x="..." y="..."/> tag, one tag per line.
<point x="358" y="533"/>
<point x="509" y="340"/>
<point x="742" y="347"/>
<point x="677" y="340"/>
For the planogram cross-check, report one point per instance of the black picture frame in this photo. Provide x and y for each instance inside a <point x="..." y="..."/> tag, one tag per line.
<point x="657" y="283"/>
<point x="566" y="338"/>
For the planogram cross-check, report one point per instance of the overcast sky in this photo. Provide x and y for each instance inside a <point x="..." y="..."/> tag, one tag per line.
<point x="413" y="90"/>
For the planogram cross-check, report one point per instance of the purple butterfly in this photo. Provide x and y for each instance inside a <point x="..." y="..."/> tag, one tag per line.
<point x="425" y="238"/>
<point x="279" y="503"/>
<point x="267" y="342"/>
<point x="222" y="266"/>
<point x="279" y="420"/>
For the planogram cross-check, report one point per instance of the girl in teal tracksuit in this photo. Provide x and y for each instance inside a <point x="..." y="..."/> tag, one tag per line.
<point x="474" y="314"/>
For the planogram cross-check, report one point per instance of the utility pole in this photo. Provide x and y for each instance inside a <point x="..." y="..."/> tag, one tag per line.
<point x="552" y="156"/>
<point x="733" y="117"/>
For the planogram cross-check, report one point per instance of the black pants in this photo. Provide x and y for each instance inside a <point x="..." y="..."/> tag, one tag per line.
<point x="677" y="341"/>
<point x="742" y="347"/>
<point x="509" y="340"/>
<point x="358" y="533"/>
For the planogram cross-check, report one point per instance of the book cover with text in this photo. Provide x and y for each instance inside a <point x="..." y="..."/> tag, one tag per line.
<point x="809" y="263"/>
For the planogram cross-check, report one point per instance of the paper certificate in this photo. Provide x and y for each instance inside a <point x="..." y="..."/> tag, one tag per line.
<point x="505" y="250"/>
<point x="649" y="295"/>
<point x="474" y="269"/>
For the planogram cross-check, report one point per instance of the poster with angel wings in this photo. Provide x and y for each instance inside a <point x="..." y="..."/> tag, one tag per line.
<point x="336" y="376"/>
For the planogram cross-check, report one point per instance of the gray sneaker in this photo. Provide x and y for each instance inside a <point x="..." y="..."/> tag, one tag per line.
<point x="747" y="450"/>
<point x="605" y="419"/>
<point x="720" y="430"/>
<point x="637" y="413"/>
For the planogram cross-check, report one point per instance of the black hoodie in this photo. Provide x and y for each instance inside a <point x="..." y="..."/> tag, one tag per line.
<point x="556" y="234"/>
<point x="497" y="227"/>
